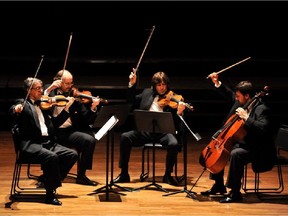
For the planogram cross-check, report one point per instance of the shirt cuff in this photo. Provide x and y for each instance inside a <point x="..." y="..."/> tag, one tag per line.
<point x="217" y="86"/>
<point x="130" y="85"/>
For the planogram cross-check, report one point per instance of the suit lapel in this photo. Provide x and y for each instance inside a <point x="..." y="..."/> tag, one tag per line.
<point x="34" y="113"/>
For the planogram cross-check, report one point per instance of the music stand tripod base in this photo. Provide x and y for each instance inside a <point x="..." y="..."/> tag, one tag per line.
<point x="107" y="188"/>
<point x="189" y="193"/>
<point x="107" y="118"/>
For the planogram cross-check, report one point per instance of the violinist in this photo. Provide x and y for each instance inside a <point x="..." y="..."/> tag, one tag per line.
<point x="36" y="132"/>
<point x="149" y="100"/>
<point x="256" y="147"/>
<point x="74" y="121"/>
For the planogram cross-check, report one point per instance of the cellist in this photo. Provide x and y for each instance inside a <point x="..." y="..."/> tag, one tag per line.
<point x="257" y="145"/>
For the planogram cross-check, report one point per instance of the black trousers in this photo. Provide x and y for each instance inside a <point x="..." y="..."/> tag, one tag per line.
<point x="57" y="161"/>
<point x="83" y="142"/>
<point x="240" y="156"/>
<point x="135" y="138"/>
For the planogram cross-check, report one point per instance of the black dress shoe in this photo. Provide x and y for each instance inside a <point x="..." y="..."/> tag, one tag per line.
<point x="170" y="180"/>
<point x="84" y="180"/>
<point x="122" y="178"/>
<point x="216" y="189"/>
<point x="51" y="199"/>
<point x="233" y="197"/>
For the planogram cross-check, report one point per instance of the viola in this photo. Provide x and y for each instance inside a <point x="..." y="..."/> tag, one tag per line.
<point x="216" y="154"/>
<point x="46" y="102"/>
<point x="86" y="96"/>
<point x="172" y="99"/>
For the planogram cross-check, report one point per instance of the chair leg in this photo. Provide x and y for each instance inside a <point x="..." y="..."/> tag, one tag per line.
<point x="17" y="191"/>
<point x="29" y="175"/>
<point x="277" y="189"/>
<point x="257" y="187"/>
<point x="144" y="175"/>
<point x="244" y="179"/>
<point x="14" y="180"/>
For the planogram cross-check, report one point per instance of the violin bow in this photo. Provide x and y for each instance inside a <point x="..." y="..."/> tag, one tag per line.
<point x="231" y="66"/>
<point x="36" y="73"/>
<point x="67" y="52"/>
<point x="142" y="54"/>
<point x="145" y="47"/>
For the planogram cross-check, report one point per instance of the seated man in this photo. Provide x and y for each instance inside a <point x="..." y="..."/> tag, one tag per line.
<point x="73" y="123"/>
<point x="149" y="99"/>
<point x="36" y="132"/>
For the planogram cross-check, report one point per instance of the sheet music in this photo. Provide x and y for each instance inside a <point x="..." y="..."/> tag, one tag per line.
<point x="106" y="127"/>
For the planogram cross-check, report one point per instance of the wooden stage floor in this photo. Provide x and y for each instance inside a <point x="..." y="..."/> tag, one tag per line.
<point x="150" y="201"/>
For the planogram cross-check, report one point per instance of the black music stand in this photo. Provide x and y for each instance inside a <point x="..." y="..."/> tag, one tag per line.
<point x="105" y="121"/>
<point x="189" y="193"/>
<point x="154" y="122"/>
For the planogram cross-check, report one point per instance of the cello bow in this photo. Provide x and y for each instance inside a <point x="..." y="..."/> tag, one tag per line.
<point x="231" y="66"/>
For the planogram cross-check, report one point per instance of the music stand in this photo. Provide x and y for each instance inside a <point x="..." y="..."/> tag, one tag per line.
<point x="189" y="193"/>
<point x="154" y="122"/>
<point x="106" y="122"/>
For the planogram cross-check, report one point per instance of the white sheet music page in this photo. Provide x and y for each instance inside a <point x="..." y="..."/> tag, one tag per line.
<point x="106" y="127"/>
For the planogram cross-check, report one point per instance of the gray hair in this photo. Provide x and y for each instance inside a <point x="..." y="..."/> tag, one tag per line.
<point x="29" y="81"/>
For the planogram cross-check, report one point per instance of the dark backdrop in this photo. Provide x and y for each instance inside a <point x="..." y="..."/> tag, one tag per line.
<point x="191" y="40"/>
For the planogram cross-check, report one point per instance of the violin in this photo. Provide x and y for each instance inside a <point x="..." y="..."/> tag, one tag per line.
<point x="171" y="99"/>
<point x="46" y="102"/>
<point x="86" y="96"/>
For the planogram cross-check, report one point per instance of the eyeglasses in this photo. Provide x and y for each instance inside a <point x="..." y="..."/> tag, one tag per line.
<point x="38" y="88"/>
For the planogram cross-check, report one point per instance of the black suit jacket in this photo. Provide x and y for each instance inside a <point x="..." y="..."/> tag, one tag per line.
<point x="260" y="132"/>
<point x="144" y="101"/>
<point x="81" y="115"/>
<point x="29" y="127"/>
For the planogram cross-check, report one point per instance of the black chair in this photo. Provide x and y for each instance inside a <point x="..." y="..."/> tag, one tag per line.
<point x="281" y="142"/>
<point x="146" y="149"/>
<point x="17" y="190"/>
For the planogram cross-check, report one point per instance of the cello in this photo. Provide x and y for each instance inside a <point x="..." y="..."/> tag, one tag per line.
<point x="216" y="154"/>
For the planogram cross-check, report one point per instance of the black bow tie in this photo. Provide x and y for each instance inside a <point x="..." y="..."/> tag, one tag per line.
<point x="37" y="103"/>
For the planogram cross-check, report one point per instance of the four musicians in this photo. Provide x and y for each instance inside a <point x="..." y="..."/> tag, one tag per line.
<point x="52" y="134"/>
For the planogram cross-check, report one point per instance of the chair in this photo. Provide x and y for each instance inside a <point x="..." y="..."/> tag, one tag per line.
<point x="17" y="190"/>
<point x="281" y="143"/>
<point x="146" y="149"/>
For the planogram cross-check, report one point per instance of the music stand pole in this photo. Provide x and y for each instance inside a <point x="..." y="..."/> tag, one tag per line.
<point x="110" y="116"/>
<point x="153" y="183"/>
<point x="107" y="129"/>
<point x="107" y="188"/>
<point x="189" y="193"/>
<point x="112" y="166"/>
